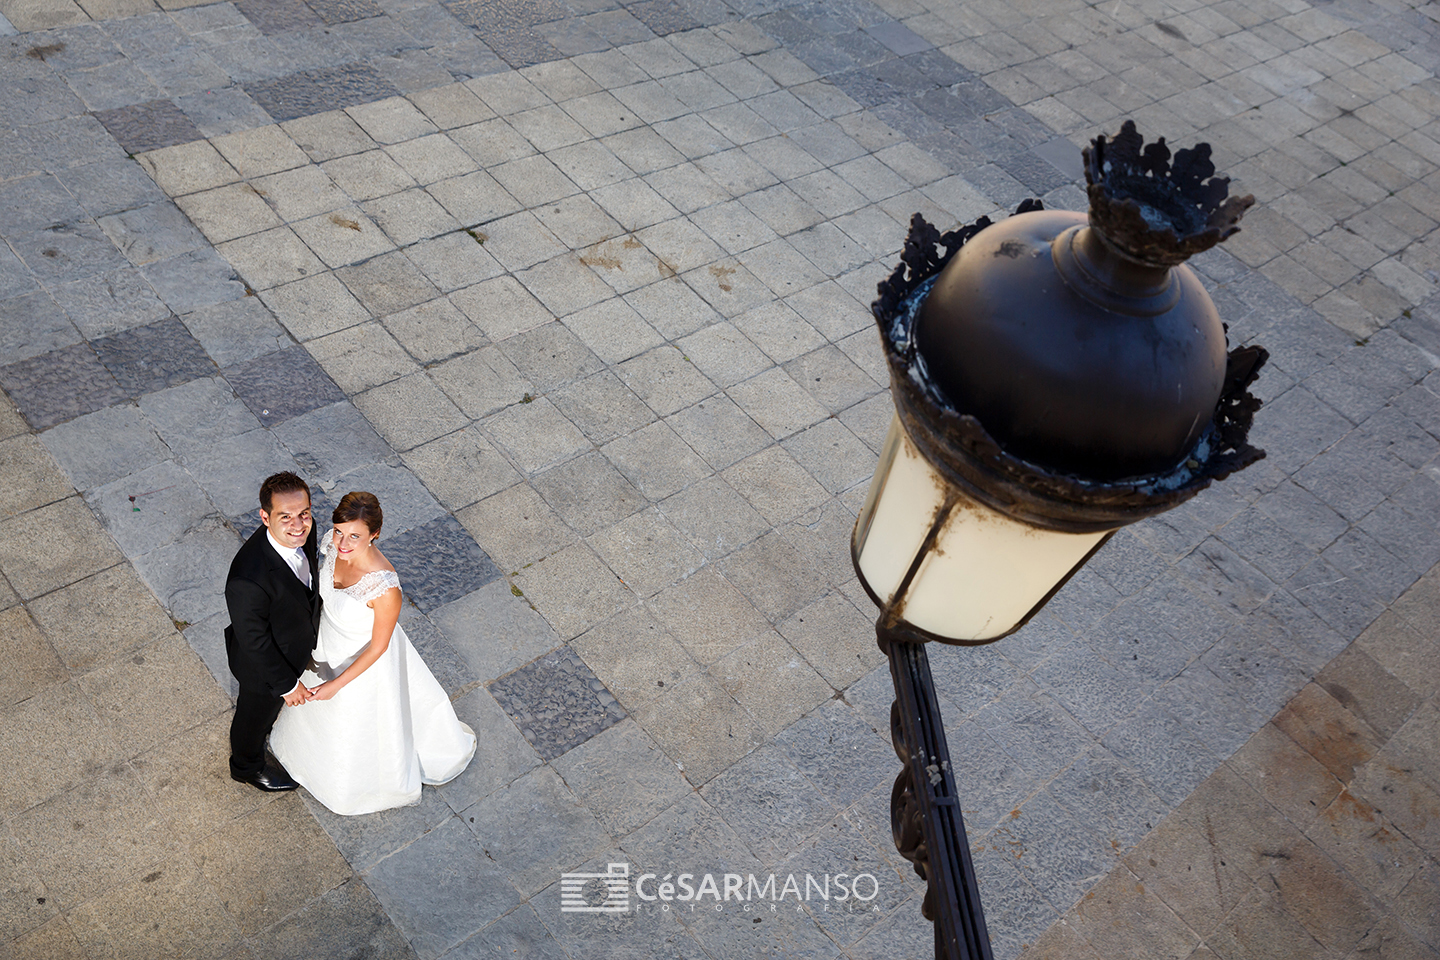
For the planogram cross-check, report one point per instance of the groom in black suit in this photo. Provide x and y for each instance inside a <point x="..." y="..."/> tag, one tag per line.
<point x="274" y="609"/>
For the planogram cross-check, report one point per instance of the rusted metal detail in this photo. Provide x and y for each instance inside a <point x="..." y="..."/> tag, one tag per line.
<point x="1153" y="210"/>
<point x="959" y="446"/>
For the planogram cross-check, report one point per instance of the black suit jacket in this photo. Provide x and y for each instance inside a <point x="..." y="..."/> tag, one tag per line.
<point x="273" y="618"/>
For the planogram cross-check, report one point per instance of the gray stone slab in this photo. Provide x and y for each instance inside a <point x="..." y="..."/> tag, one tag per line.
<point x="501" y="755"/>
<point x="365" y="841"/>
<point x="153" y="232"/>
<point x="441" y="889"/>
<point x="236" y="331"/>
<point x="536" y="828"/>
<point x="154" y="357"/>
<point x="32" y="324"/>
<point x="110" y="302"/>
<point x="62" y="252"/>
<point x="494" y="630"/>
<point x="230" y="473"/>
<point x="207" y="639"/>
<point x="839" y="751"/>
<point x="188" y="576"/>
<point x="61" y="385"/>
<point x="148" y="126"/>
<point x="405" y="501"/>
<point x="769" y="803"/>
<point x="557" y="702"/>
<point x="219" y="109"/>
<point x="335" y="440"/>
<point x="104" y="446"/>
<point x="622" y="776"/>
<point x="518" y="933"/>
<point x="197" y="415"/>
<point x="346" y="921"/>
<point x="199" y="278"/>
<point x="151" y="508"/>
<point x="282" y="385"/>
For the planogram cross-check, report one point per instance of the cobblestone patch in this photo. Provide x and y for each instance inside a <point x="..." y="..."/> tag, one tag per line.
<point x="439" y="562"/>
<point x="557" y="702"/>
<point x="149" y="126"/>
<point x="282" y="385"/>
<point x="315" y="91"/>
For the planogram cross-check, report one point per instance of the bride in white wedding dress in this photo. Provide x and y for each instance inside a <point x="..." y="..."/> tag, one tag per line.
<point x="379" y="724"/>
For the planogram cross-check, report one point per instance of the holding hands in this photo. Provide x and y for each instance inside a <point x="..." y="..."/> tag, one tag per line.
<point x="299" y="695"/>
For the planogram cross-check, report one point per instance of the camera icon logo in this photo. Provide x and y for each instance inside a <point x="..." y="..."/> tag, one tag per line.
<point x="614" y="883"/>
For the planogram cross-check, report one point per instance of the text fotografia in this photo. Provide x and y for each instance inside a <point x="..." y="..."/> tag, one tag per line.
<point x="688" y="891"/>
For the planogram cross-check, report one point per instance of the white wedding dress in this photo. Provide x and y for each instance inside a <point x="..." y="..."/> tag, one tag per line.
<point x="388" y="731"/>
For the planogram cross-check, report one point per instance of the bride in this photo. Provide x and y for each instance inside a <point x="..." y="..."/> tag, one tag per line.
<point x="379" y="724"/>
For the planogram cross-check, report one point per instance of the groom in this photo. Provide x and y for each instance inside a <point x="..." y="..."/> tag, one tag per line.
<point x="274" y="615"/>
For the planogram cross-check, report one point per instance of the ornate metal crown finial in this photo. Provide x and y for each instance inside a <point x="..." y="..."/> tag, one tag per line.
<point x="1153" y="210"/>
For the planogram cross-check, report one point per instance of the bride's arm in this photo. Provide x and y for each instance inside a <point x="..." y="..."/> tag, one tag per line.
<point x="387" y="614"/>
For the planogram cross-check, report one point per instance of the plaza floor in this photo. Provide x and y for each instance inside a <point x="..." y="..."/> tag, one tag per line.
<point x="581" y="291"/>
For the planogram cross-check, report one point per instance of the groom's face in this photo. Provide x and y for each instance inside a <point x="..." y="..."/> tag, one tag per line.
<point x="289" y="518"/>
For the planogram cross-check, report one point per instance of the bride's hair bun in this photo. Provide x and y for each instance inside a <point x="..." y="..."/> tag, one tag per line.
<point x="359" y="505"/>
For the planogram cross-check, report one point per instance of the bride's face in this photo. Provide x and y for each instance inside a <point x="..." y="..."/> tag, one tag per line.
<point x="352" y="540"/>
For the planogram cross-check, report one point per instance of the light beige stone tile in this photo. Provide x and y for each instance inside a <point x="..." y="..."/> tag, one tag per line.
<point x="622" y="775"/>
<point x="700" y="727"/>
<point x="152" y="915"/>
<point x="300" y="193"/>
<point x="590" y="165"/>
<point x="474" y="198"/>
<point x="362" y="357"/>
<point x="715" y="518"/>
<point x="461" y="468"/>
<point x="625" y="264"/>
<point x="633" y="203"/>
<point x="782" y="268"/>
<point x="154" y="692"/>
<point x="188" y="168"/>
<point x="29" y="477"/>
<point x="102" y="617"/>
<point x="343" y="237"/>
<point x="432" y="158"/>
<point x="434" y="331"/>
<point x="271" y="258"/>
<point x="563" y="284"/>
<point x="453" y="260"/>
<point x="707" y="615"/>
<point x="314" y="306"/>
<point x="775" y="484"/>
<point x="729" y="287"/>
<point x="53" y="546"/>
<point x="507" y="92"/>
<point x="99" y="833"/>
<point x="410" y="216"/>
<point x="228" y="212"/>
<point x="602" y="407"/>
<point x="771" y="681"/>
<point x="724" y="354"/>
<point x="774" y="576"/>
<point x="32" y="663"/>
<point x="59" y="724"/>
<point x="454" y="105"/>
<point x="533" y="180"/>
<point x="836" y="638"/>
<point x="325" y="136"/>
<point x="833" y="455"/>
<point x="613" y="330"/>
<point x="719" y="431"/>
<point x="189" y="774"/>
<point x="365" y="176"/>
<point x="782" y="209"/>
<point x="27" y="15"/>
<point x="573" y="590"/>
<point x="515" y="527"/>
<point x="672" y="308"/>
<point x="548" y="127"/>
<point x="534" y="435"/>
<point x="665" y="380"/>
<point x="777" y="403"/>
<point x="260" y="151"/>
<point x="635" y="657"/>
<point x="559" y="80"/>
<point x="491" y="142"/>
<point x="259" y="891"/>
<point x="519" y="241"/>
<point x="501" y="307"/>
<point x="387" y="284"/>
<point x="483" y="382"/>
<point x="646" y="552"/>
<point x="686" y="187"/>
<point x="657" y="461"/>
<point x="588" y="493"/>
<point x="577" y="221"/>
<point x="391" y="120"/>
<point x="410" y="411"/>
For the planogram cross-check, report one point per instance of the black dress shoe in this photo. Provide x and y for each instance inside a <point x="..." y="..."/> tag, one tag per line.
<point x="273" y="779"/>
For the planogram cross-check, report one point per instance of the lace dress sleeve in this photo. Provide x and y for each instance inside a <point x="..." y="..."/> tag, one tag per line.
<point x="373" y="585"/>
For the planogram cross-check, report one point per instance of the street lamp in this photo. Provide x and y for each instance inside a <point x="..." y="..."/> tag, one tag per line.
<point x="1056" y="376"/>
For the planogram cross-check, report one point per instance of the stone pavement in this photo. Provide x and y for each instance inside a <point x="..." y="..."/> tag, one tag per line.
<point x="579" y="290"/>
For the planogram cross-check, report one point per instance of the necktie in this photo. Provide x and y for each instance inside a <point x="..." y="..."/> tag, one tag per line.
<point x="302" y="567"/>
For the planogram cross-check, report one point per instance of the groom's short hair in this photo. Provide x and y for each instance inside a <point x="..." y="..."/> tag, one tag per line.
<point x="284" y="482"/>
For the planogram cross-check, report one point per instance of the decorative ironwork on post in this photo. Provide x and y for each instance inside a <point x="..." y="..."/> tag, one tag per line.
<point x="1055" y="377"/>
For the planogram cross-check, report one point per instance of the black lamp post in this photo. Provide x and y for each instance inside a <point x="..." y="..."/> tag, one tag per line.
<point x="1056" y="376"/>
